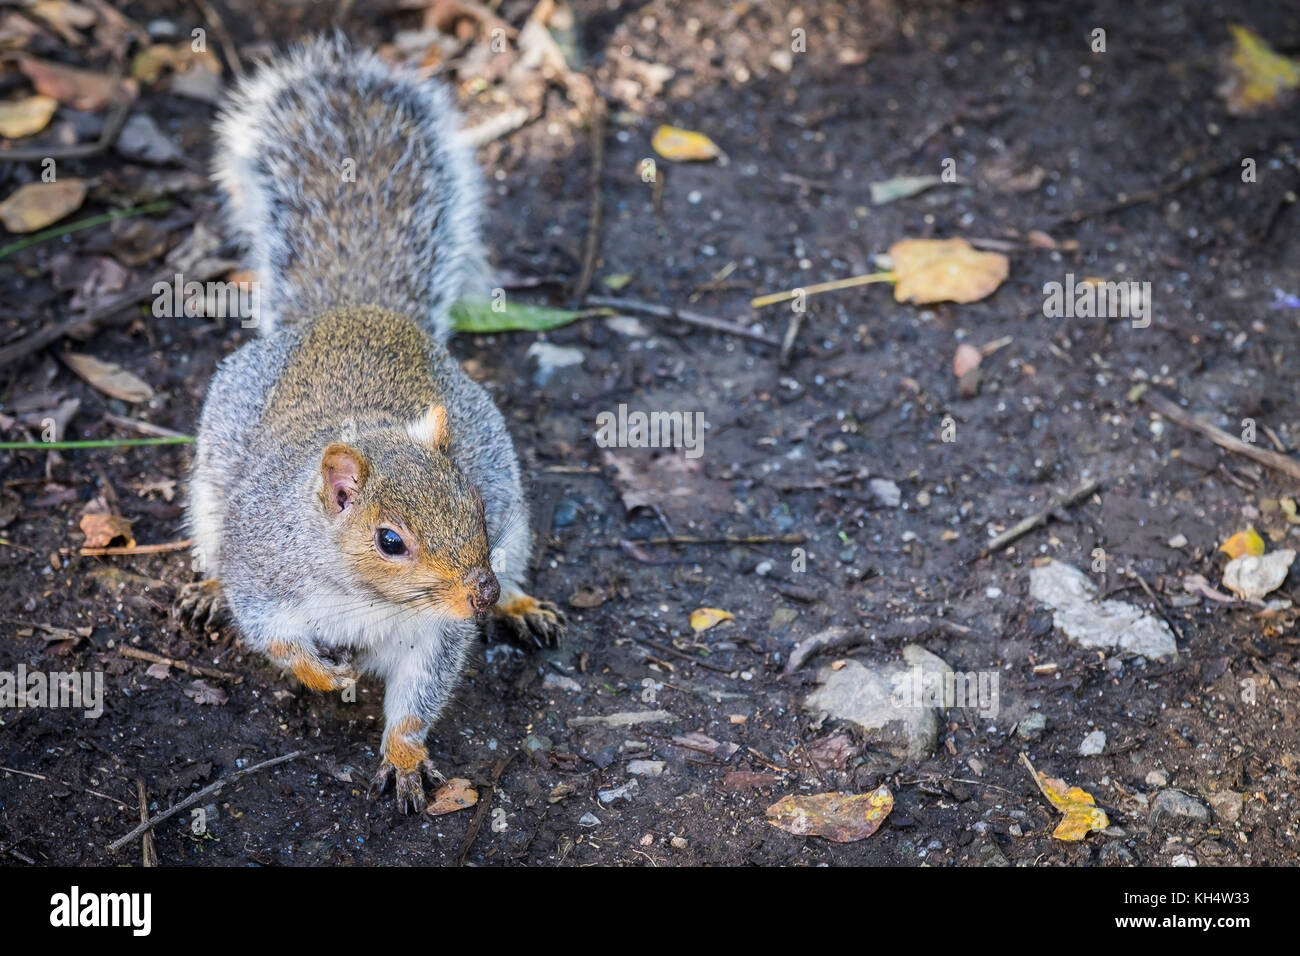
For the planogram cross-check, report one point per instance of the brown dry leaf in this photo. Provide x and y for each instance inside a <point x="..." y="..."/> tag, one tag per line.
<point x="706" y="617"/>
<point x="587" y="597"/>
<point x="456" y="794"/>
<point x="201" y="692"/>
<point x="80" y="89"/>
<point x="1258" y="77"/>
<point x="833" y="752"/>
<point x="27" y="116"/>
<point x="683" y="145"/>
<point x="1082" y="815"/>
<point x="159" y="671"/>
<point x="112" y="380"/>
<point x="149" y="64"/>
<point x="37" y="205"/>
<point x="945" y="270"/>
<point x="1243" y="543"/>
<point x="840" y="817"/>
<point x="65" y="17"/>
<point x="967" y="359"/>
<point x="102" y="529"/>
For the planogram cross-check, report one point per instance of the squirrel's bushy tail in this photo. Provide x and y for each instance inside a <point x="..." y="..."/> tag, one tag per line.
<point x="347" y="182"/>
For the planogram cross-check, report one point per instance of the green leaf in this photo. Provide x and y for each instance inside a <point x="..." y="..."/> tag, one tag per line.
<point x="481" y="317"/>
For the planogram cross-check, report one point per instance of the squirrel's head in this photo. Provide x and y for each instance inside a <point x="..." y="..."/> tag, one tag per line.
<point x="408" y="519"/>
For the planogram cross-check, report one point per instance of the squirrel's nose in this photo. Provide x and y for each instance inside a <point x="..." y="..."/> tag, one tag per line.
<point x="483" y="590"/>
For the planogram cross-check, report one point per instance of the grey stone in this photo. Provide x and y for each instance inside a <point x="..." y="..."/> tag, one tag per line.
<point x="645" y="768"/>
<point x="1091" y="623"/>
<point x="867" y="696"/>
<point x="1031" y="726"/>
<point x="1093" y="744"/>
<point x="1227" y="805"/>
<point x="1178" y="808"/>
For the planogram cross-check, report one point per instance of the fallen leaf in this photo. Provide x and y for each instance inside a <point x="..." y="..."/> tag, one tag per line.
<point x="706" y="617"/>
<point x="27" y="116"/>
<point x="833" y="752"/>
<point x="485" y="318"/>
<point x="1243" y="543"/>
<point x="1252" y="576"/>
<point x="618" y="281"/>
<point x="945" y="270"/>
<point x="901" y="187"/>
<point x="1289" y="509"/>
<point x="967" y="359"/>
<point x="65" y="17"/>
<point x="37" y="205"/>
<point x="683" y="145"/>
<point x="112" y="380"/>
<point x="201" y="692"/>
<point x="80" y="89"/>
<point x="1082" y="815"/>
<point x="456" y="794"/>
<point x="1257" y="76"/>
<point x="160" y="671"/>
<point x="587" y="597"/>
<point x="840" y="817"/>
<point x="102" y="529"/>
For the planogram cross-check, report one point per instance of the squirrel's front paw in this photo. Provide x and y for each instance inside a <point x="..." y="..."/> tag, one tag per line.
<point x="528" y="621"/>
<point x="410" y="783"/>
<point x="200" y="603"/>
<point x="312" y="668"/>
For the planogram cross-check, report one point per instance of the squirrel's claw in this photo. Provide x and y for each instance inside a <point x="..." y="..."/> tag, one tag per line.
<point x="200" y="603"/>
<point x="410" y="784"/>
<point x="528" y="622"/>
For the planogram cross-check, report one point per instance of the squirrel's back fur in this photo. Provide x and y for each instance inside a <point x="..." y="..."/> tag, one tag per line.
<point x="346" y="180"/>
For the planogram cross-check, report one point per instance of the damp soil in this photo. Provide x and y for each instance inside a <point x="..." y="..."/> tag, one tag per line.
<point x="1045" y="135"/>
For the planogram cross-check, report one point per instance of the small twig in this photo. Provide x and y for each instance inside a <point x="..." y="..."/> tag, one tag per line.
<point x="791" y="333"/>
<point x="813" y="763"/>
<point x="90" y="223"/>
<point x="163" y="548"/>
<point x="591" y="250"/>
<point x="1035" y="520"/>
<point x="145" y="428"/>
<point x="64" y="783"/>
<point x="199" y="795"/>
<point x="148" y="852"/>
<point x="1145" y="196"/>
<point x="136" y="654"/>
<point x="772" y="298"/>
<point x="682" y="315"/>
<point x="52" y="332"/>
<point x="107" y="137"/>
<point x="223" y="35"/>
<point x="484" y="805"/>
<point x="1179" y="416"/>
<point x="723" y="539"/>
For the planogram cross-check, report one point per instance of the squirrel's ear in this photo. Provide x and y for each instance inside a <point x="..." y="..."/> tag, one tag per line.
<point x="343" y="471"/>
<point x="432" y="429"/>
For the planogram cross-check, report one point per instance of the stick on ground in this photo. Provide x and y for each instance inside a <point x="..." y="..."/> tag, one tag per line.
<point x="1180" y="416"/>
<point x="1035" y="520"/>
<point x="195" y="797"/>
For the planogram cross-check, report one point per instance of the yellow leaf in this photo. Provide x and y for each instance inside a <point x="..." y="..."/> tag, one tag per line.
<point x="841" y="817"/>
<point x="704" y="618"/>
<point x="945" y="270"/>
<point x="27" y="116"/>
<point x="1289" y="509"/>
<point x="1243" y="542"/>
<point x="36" y="205"/>
<point x="1257" y="77"/>
<point x="683" y="145"/>
<point x="1082" y="815"/>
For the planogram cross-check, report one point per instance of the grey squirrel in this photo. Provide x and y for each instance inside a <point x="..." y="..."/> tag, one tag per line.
<point x="355" y="500"/>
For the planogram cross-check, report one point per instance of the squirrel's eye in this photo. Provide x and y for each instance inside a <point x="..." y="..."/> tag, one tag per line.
<point x="390" y="542"/>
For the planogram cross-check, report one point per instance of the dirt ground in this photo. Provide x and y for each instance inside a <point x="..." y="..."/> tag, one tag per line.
<point x="1045" y="134"/>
